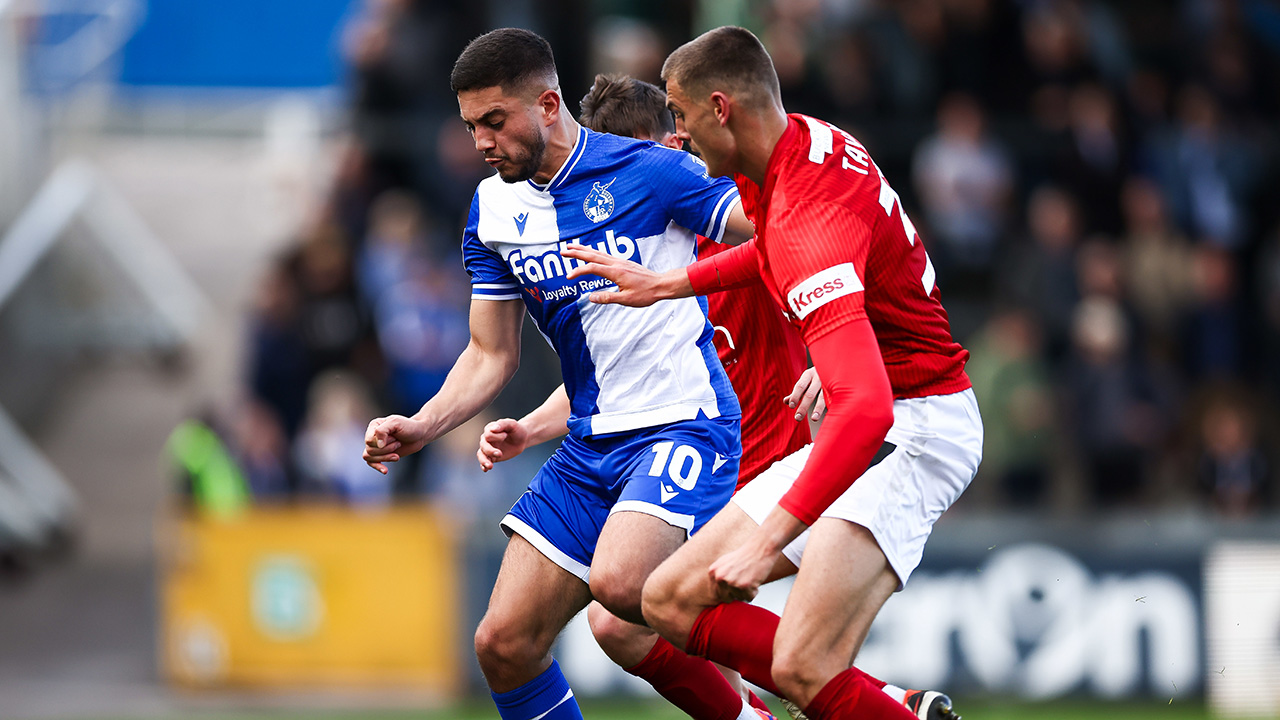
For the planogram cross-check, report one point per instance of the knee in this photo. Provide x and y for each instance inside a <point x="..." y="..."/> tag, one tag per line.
<point x="607" y="628"/>
<point x="797" y="674"/>
<point x="619" y="593"/>
<point x="503" y="650"/>
<point x="658" y="603"/>
<point x="625" y="643"/>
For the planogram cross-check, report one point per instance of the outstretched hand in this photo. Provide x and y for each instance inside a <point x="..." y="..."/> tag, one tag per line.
<point x="807" y="397"/>
<point x="501" y="440"/>
<point x="637" y="285"/>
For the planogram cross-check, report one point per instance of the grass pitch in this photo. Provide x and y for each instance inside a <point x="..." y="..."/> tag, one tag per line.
<point x="972" y="709"/>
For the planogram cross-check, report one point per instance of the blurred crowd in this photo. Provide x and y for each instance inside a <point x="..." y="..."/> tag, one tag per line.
<point x="1094" y="181"/>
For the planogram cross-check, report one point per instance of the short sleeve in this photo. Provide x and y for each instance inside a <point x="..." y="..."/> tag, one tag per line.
<point x="691" y="197"/>
<point x="491" y="279"/>
<point x="817" y="253"/>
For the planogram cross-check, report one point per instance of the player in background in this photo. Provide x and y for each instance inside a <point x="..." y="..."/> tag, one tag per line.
<point x="837" y="252"/>
<point x="653" y="442"/>
<point x="761" y="365"/>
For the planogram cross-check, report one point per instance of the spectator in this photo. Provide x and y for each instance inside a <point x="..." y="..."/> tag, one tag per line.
<point x="1233" y="473"/>
<point x="1041" y="273"/>
<point x="1206" y="170"/>
<point x="1013" y="388"/>
<point x="332" y="438"/>
<point x="422" y="328"/>
<point x="1213" y="340"/>
<point x="1092" y="160"/>
<point x="964" y="179"/>
<point x="1115" y="405"/>
<point x="1157" y="266"/>
<point x="333" y="324"/>
<point x="279" y="363"/>
<point x="394" y="242"/>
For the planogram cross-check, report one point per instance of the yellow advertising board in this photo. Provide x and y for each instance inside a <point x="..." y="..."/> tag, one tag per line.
<point x="301" y="596"/>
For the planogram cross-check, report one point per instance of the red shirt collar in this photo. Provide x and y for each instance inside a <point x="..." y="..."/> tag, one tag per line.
<point x="781" y="150"/>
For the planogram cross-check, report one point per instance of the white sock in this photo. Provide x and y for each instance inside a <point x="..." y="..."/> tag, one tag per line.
<point x="748" y="712"/>
<point x="895" y="692"/>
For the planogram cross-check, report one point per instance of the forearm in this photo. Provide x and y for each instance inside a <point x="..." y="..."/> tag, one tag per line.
<point x="550" y="420"/>
<point x="673" y="284"/>
<point x="475" y="380"/>
<point x="859" y="414"/>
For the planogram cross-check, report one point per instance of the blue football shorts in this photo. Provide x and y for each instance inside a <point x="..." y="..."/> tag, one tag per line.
<point x="681" y="473"/>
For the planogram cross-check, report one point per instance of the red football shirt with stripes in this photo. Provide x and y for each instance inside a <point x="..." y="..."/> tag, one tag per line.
<point x="763" y="357"/>
<point x="833" y="246"/>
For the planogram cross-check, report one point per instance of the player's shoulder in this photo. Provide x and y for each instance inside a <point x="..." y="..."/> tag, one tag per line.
<point x="643" y="155"/>
<point x="820" y="162"/>
<point x="495" y="189"/>
<point x="606" y="149"/>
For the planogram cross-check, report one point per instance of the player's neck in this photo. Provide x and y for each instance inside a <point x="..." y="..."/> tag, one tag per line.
<point x="564" y="135"/>
<point x="758" y="141"/>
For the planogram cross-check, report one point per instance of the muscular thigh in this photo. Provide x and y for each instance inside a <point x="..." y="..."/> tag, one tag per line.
<point x="843" y="581"/>
<point x="683" y="582"/>
<point x="534" y="597"/>
<point x="631" y="546"/>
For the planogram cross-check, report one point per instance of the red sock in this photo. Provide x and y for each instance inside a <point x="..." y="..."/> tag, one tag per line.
<point x="874" y="681"/>
<point x="850" y="695"/>
<point x="755" y="702"/>
<point x="692" y="684"/>
<point x="740" y="636"/>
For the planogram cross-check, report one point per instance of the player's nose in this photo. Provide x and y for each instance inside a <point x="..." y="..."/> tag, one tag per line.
<point x="681" y="133"/>
<point x="485" y="141"/>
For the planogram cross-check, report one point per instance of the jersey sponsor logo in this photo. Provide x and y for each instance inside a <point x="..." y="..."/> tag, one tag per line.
<point x="823" y="287"/>
<point x="521" y="220"/>
<point x="532" y="269"/>
<point x="598" y="204"/>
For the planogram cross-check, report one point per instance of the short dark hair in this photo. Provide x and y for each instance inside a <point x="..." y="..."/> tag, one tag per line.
<point x="728" y="59"/>
<point x="623" y="105"/>
<point x="509" y="58"/>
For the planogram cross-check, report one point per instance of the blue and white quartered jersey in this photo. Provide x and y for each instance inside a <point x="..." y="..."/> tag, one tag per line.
<point x="624" y="368"/>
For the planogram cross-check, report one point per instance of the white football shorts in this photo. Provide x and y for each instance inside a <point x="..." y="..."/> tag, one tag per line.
<point x="938" y="443"/>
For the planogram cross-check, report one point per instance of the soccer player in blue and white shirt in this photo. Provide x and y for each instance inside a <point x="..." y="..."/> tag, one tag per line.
<point x="653" y="447"/>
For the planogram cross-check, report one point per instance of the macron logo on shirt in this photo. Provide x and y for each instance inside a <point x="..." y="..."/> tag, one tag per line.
<point x="823" y="287"/>
<point x="521" y="219"/>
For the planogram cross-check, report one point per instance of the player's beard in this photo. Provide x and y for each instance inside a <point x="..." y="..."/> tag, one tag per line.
<point x="524" y="165"/>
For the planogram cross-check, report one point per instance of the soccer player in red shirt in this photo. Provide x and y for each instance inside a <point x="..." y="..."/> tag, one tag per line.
<point x="838" y="253"/>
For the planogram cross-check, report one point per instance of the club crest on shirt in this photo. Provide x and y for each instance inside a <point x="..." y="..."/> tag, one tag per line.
<point x="599" y="203"/>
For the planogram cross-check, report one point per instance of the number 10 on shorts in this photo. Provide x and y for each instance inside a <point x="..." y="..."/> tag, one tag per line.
<point x="682" y="464"/>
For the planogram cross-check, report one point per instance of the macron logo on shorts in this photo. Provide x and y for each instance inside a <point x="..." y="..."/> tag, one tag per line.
<point x="823" y="287"/>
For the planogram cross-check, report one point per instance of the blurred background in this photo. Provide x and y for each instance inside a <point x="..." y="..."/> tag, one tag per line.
<point x="229" y="236"/>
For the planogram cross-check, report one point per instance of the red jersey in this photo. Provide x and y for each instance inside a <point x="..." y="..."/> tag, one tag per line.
<point x="763" y="358"/>
<point x="835" y="245"/>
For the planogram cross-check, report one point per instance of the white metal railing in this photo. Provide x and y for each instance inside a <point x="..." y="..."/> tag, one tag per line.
<point x="34" y="497"/>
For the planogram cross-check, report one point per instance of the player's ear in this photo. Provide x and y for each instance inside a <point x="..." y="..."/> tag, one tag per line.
<point x="721" y="106"/>
<point x="550" y="105"/>
<point x="671" y="141"/>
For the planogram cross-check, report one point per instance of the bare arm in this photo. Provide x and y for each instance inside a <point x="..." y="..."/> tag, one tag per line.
<point x="506" y="438"/>
<point x="738" y="228"/>
<point x="478" y="375"/>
